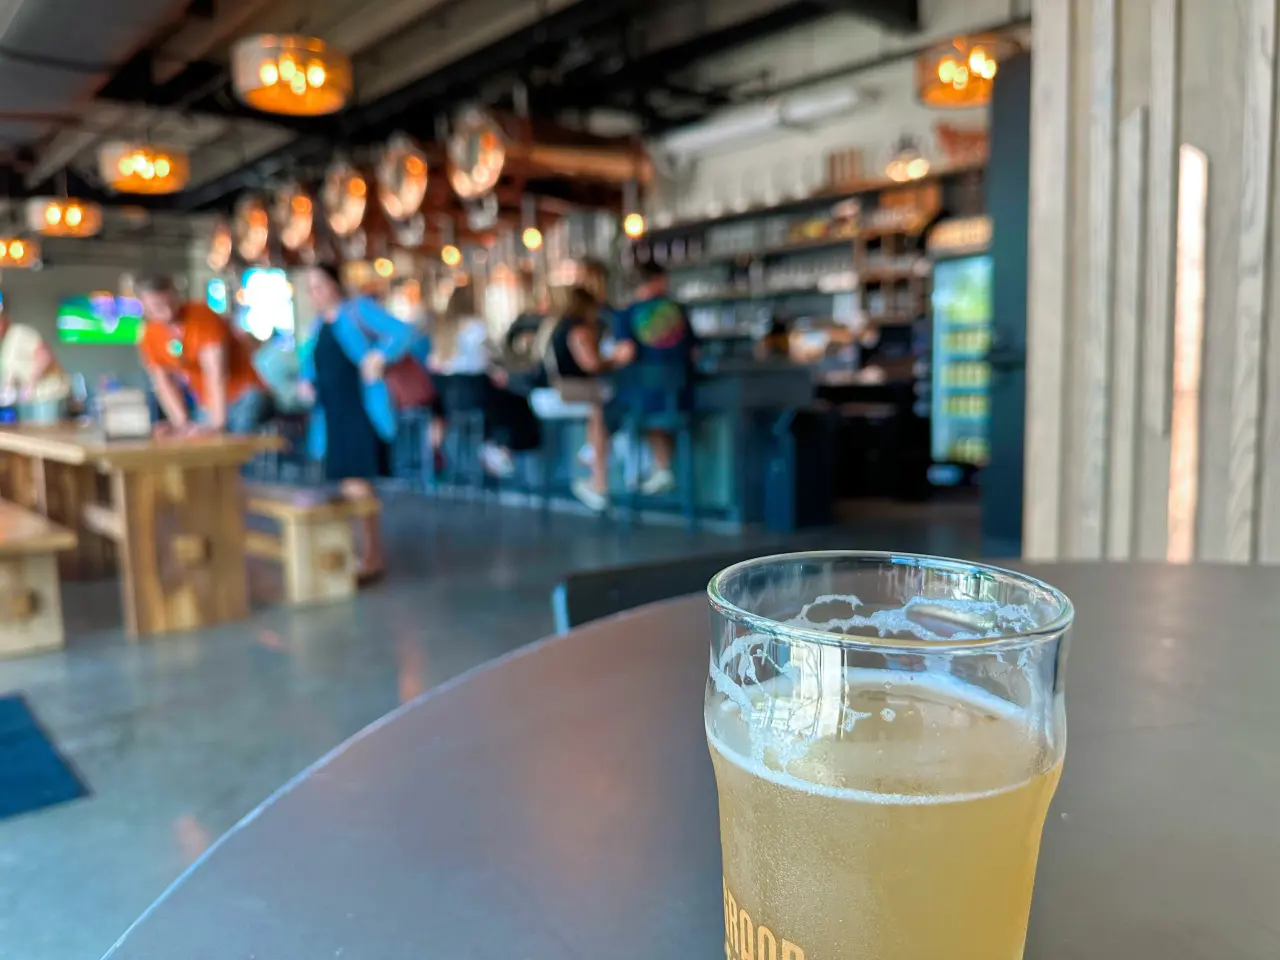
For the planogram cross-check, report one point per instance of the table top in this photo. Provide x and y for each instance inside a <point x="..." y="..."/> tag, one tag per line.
<point x="76" y="445"/>
<point x="560" y="803"/>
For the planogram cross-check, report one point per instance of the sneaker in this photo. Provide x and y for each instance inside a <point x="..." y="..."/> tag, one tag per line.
<point x="587" y="494"/>
<point x="658" y="483"/>
<point x="497" y="461"/>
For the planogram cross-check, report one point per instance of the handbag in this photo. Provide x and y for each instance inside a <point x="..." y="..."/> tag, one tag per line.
<point x="407" y="380"/>
<point x="409" y="384"/>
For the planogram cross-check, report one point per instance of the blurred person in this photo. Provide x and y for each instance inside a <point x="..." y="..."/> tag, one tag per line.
<point x="279" y="367"/>
<point x="186" y="346"/>
<point x="574" y="366"/>
<point x="460" y="347"/>
<point x="353" y="420"/>
<point x="459" y="336"/>
<point x="653" y="331"/>
<point x="28" y="367"/>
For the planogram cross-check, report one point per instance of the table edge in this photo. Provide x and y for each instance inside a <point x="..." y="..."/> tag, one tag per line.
<point x="372" y="728"/>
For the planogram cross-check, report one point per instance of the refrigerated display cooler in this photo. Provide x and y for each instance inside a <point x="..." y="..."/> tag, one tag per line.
<point x="961" y="408"/>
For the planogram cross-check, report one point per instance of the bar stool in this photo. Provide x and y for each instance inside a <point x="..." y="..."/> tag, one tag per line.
<point x="553" y="411"/>
<point x="464" y="396"/>
<point x="671" y="382"/>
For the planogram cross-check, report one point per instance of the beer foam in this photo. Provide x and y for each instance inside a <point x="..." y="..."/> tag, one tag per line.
<point x="962" y="619"/>
<point x="789" y="749"/>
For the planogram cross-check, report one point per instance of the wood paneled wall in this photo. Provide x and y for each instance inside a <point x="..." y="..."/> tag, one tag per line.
<point x="1154" y="311"/>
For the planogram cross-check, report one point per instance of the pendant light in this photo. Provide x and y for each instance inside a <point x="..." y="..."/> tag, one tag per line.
<point x="221" y="245"/>
<point x="346" y="198"/>
<point x="959" y="72"/>
<point x="251" y="229"/>
<point x="293" y="213"/>
<point x="19" y="253"/>
<point x="477" y="153"/>
<point x="402" y="178"/>
<point x="292" y="75"/>
<point x="64" y="217"/>
<point x="146" y="168"/>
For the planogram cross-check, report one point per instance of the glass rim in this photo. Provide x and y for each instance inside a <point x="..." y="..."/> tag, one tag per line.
<point x="1058" y="625"/>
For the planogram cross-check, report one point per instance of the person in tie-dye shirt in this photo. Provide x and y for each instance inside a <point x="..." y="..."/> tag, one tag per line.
<point x="654" y="331"/>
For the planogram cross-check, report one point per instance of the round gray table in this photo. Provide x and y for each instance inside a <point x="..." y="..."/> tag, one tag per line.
<point x="559" y="803"/>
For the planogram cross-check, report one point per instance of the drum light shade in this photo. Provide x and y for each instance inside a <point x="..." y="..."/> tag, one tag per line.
<point x="958" y="73"/>
<point x="64" y="217"/>
<point x="293" y="75"/>
<point x="19" y="253"/>
<point x="143" y="167"/>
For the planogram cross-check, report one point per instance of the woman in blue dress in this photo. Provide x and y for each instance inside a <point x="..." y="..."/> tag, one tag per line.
<point x="353" y="420"/>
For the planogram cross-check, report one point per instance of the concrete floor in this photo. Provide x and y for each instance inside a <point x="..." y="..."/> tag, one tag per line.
<point x="180" y="737"/>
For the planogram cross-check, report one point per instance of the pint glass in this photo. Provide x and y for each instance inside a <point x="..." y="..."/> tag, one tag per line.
<point x="887" y="732"/>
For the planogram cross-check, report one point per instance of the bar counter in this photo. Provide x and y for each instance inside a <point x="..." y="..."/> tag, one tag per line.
<point x="743" y="410"/>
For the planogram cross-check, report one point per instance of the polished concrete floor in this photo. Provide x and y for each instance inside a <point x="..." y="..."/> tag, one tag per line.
<point x="181" y="736"/>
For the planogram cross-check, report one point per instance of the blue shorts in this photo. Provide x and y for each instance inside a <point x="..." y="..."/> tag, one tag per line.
<point x="248" y="411"/>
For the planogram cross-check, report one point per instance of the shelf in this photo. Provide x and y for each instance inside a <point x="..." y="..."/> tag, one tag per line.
<point x="779" y="251"/>
<point x="847" y="192"/>
<point x="761" y="295"/>
<point x="882" y="275"/>
<point x="789" y="249"/>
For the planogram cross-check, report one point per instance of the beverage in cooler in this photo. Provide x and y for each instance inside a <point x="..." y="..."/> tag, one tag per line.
<point x="961" y="375"/>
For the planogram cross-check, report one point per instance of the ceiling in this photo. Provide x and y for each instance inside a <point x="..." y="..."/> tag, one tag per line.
<point x="158" y="68"/>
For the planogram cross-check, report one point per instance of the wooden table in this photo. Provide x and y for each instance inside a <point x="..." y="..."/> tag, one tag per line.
<point x="559" y="802"/>
<point x="166" y="513"/>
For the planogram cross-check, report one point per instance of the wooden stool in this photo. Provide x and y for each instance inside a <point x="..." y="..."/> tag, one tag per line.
<point x="315" y="545"/>
<point x="30" y="597"/>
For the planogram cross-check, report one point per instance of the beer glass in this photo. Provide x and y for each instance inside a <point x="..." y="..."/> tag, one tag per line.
<point x="887" y="732"/>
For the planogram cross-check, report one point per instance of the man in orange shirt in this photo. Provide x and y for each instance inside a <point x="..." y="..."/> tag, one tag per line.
<point x="188" y="345"/>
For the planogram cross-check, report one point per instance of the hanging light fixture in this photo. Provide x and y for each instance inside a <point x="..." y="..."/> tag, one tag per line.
<point x="958" y="73"/>
<point x="221" y="245"/>
<point x="251" y="229"/>
<point x="293" y="75"/>
<point x="293" y="214"/>
<point x="346" y="198"/>
<point x="906" y="163"/>
<point x="477" y="153"/>
<point x="19" y="253"/>
<point x="402" y="178"/>
<point x="143" y="167"/>
<point x="64" y="217"/>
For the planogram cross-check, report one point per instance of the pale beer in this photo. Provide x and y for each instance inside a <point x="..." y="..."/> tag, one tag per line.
<point x="881" y="806"/>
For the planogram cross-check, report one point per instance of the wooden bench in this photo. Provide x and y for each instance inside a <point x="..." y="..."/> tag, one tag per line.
<point x="315" y="544"/>
<point x="30" y="597"/>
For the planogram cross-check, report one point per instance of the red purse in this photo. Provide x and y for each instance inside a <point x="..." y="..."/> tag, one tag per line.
<point x="409" y="384"/>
